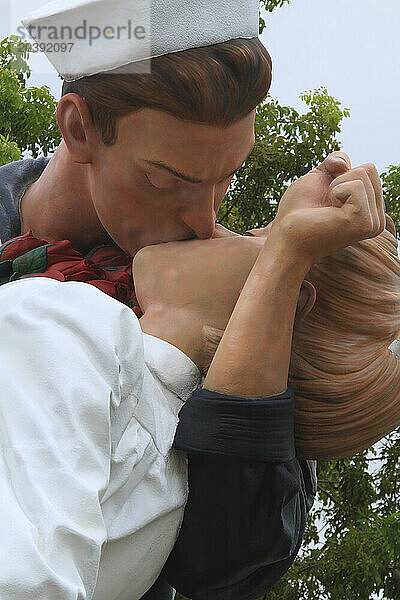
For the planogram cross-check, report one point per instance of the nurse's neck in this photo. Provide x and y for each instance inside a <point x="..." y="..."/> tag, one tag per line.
<point x="185" y="327"/>
<point x="181" y="327"/>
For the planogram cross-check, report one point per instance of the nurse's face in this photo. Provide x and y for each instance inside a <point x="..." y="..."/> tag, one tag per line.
<point x="205" y="276"/>
<point x="164" y="179"/>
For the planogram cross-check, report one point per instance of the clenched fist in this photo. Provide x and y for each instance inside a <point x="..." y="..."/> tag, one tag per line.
<point x="331" y="207"/>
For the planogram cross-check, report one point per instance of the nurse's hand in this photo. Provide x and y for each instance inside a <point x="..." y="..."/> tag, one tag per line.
<point x="330" y="208"/>
<point x="314" y="187"/>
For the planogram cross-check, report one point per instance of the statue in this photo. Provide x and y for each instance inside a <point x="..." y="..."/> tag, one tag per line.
<point x="345" y="378"/>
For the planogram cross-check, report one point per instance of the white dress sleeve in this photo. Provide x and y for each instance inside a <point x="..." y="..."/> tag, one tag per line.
<point x="59" y="375"/>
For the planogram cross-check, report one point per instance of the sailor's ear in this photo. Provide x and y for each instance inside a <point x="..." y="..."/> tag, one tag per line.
<point x="76" y="126"/>
<point x="306" y="301"/>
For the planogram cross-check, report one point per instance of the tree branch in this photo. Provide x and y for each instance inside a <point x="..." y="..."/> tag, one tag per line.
<point x="327" y="481"/>
<point x="329" y="494"/>
<point x="227" y="213"/>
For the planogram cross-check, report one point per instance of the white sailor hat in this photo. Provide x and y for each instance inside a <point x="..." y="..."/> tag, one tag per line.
<point x="85" y="37"/>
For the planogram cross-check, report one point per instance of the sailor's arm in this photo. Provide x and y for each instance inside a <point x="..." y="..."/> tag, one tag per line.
<point x="248" y="495"/>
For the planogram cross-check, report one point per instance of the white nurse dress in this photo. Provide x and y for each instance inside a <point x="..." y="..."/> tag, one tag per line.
<point x="91" y="492"/>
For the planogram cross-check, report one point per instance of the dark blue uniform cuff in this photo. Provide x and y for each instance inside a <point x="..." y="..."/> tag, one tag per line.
<point x="259" y="429"/>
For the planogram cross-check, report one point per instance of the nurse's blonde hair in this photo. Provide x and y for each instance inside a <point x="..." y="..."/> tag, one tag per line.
<point x="345" y="379"/>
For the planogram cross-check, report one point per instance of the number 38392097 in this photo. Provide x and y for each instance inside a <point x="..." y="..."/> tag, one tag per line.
<point x="46" y="46"/>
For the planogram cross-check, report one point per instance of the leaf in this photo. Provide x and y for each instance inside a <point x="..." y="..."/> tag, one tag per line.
<point x="6" y="271"/>
<point x="34" y="261"/>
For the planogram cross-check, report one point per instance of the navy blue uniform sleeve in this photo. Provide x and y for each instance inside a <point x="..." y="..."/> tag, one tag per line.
<point x="249" y="496"/>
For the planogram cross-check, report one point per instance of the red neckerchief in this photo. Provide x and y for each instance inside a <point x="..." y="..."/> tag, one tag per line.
<point x="106" y="267"/>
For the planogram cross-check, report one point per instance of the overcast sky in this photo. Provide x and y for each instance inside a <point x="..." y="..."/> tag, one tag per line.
<point x="353" y="48"/>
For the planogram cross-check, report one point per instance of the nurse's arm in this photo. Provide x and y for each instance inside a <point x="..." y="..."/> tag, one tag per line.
<point x="253" y="356"/>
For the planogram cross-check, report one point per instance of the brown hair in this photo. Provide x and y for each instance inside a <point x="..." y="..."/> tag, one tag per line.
<point x="346" y="381"/>
<point x="216" y="85"/>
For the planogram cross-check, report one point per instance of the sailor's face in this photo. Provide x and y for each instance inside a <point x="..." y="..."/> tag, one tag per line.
<point x="165" y="178"/>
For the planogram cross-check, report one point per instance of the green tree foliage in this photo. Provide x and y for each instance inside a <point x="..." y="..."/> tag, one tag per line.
<point x="269" y="6"/>
<point x="288" y="145"/>
<point x="352" y="542"/>
<point x="27" y="114"/>
<point x="391" y="190"/>
<point x="9" y="150"/>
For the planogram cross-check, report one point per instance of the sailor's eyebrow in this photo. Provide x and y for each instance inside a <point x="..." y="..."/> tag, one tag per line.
<point x="184" y="177"/>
